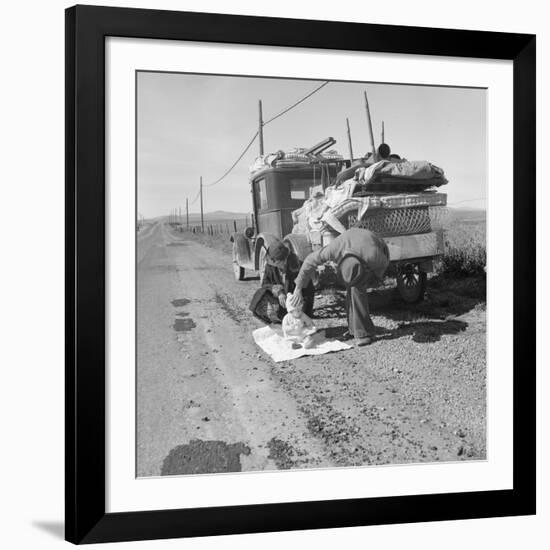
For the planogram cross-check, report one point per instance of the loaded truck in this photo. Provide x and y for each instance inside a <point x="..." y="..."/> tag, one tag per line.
<point x="399" y="201"/>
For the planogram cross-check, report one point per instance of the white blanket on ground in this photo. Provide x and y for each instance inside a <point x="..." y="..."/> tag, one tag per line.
<point x="271" y="340"/>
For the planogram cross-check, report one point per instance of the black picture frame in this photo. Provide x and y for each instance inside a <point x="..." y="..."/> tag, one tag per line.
<point x="86" y="30"/>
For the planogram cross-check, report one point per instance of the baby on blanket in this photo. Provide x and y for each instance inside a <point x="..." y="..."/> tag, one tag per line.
<point x="297" y="326"/>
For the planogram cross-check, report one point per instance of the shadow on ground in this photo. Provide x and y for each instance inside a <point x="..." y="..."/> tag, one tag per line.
<point x="445" y="297"/>
<point x="426" y="331"/>
<point x="422" y="332"/>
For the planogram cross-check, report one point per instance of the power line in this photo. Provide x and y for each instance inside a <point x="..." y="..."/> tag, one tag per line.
<point x="284" y="111"/>
<point x="467" y="200"/>
<point x="196" y="197"/>
<point x="296" y="104"/>
<point x="236" y="162"/>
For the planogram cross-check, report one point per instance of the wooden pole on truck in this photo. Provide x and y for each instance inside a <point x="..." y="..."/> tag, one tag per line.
<point x="383" y="140"/>
<point x="260" y="127"/>
<point x="202" y="215"/>
<point x="369" y="123"/>
<point x="349" y="140"/>
<point x="187" y="213"/>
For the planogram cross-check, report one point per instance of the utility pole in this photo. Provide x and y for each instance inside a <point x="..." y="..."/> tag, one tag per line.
<point x="260" y="127"/>
<point x="187" y="213"/>
<point x="369" y="123"/>
<point x="383" y="140"/>
<point x="349" y="141"/>
<point x="202" y="215"/>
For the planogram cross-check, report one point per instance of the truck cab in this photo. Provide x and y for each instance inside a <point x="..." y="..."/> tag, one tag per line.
<point x="277" y="192"/>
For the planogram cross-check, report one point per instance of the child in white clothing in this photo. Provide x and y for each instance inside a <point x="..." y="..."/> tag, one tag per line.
<point x="297" y="326"/>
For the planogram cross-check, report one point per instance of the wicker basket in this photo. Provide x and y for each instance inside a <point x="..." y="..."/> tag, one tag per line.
<point x="402" y="221"/>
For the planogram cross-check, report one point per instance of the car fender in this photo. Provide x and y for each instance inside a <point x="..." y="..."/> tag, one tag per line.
<point x="262" y="239"/>
<point x="241" y="248"/>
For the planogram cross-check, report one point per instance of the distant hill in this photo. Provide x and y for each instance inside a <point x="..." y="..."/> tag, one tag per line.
<point x="216" y="216"/>
<point x="473" y="215"/>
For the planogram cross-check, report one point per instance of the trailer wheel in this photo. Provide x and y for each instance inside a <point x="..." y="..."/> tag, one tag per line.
<point x="238" y="271"/>
<point x="411" y="283"/>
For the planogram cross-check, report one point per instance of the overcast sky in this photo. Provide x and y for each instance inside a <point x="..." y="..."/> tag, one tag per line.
<point x="197" y="125"/>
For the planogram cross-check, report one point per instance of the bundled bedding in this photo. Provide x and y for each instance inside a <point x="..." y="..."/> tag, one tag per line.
<point x="416" y="173"/>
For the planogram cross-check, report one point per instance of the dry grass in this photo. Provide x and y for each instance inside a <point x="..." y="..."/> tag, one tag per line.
<point x="466" y="250"/>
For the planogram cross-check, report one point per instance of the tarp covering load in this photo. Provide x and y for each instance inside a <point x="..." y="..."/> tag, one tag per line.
<point x="292" y="157"/>
<point x="389" y="173"/>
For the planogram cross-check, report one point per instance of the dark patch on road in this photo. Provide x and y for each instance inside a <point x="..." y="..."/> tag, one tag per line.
<point x="204" y="457"/>
<point x="183" y="325"/>
<point x="282" y="453"/>
<point x="179" y="243"/>
<point x="230" y="311"/>
<point x="180" y="302"/>
<point x="182" y="314"/>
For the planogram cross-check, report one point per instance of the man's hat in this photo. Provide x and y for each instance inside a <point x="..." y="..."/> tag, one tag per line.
<point x="351" y="269"/>
<point x="277" y="251"/>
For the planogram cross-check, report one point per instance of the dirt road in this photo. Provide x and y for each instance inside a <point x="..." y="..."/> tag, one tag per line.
<point x="209" y="401"/>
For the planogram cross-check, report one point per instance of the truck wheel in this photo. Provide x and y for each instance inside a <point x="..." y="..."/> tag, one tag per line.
<point x="411" y="283"/>
<point x="238" y="271"/>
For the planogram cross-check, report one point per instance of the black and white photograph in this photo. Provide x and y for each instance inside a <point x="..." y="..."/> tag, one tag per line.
<point x="310" y="274"/>
<point x="275" y="275"/>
